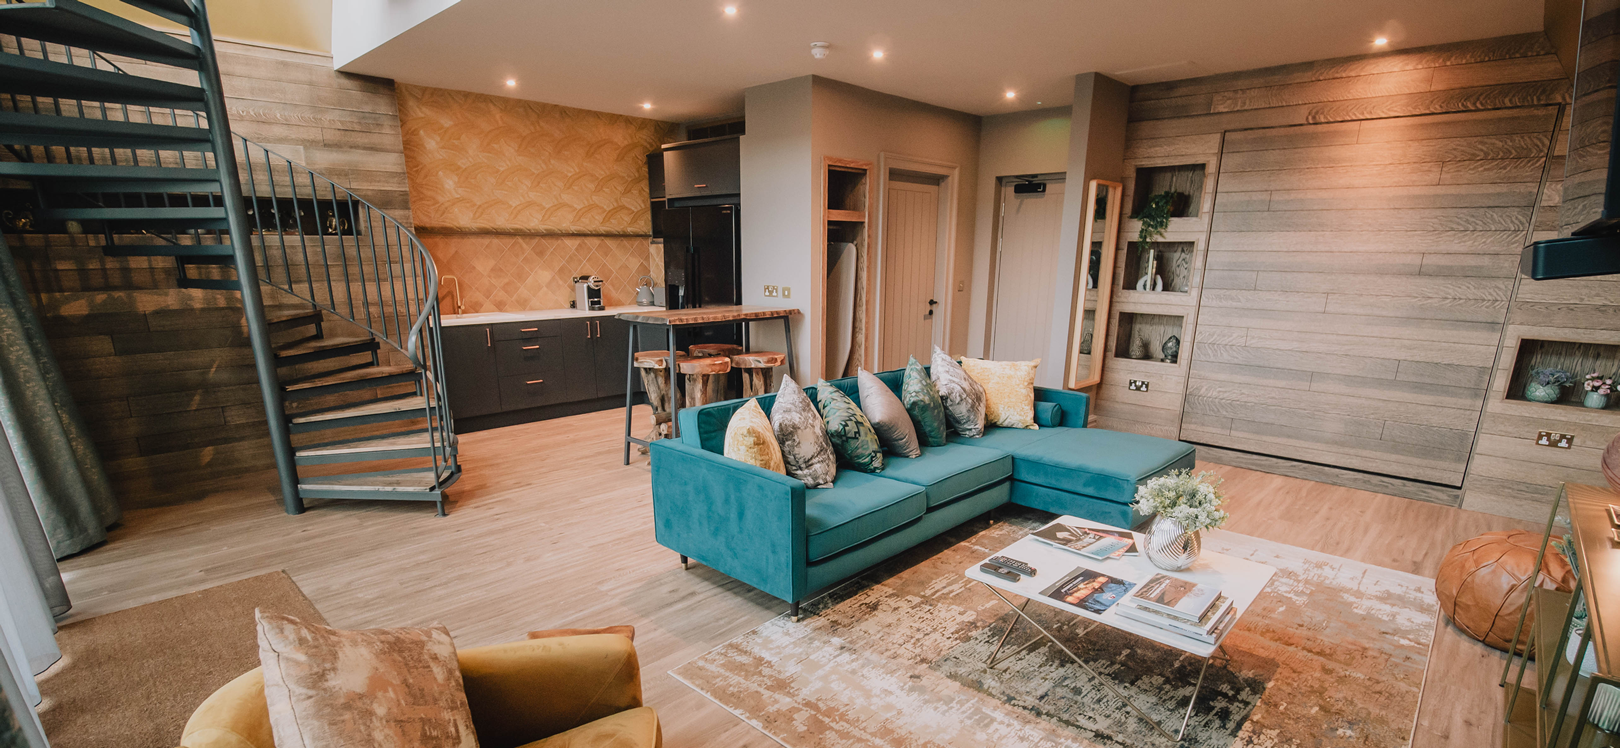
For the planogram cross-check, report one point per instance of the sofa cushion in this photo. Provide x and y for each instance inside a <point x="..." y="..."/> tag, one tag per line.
<point x="749" y="439"/>
<point x="1096" y="462"/>
<point x="922" y="403"/>
<point x="807" y="453"/>
<point x="1009" y="390"/>
<point x="951" y="471"/>
<point x="1048" y="415"/>
<point x="851" y="433"/>
<point x="963" y="397"/>
<point x="1008" y="440"/>
<point x="856" y="509"/>
<point x="888" y="416"/>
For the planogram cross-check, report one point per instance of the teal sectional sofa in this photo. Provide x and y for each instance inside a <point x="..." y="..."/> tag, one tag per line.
<point x="768" y="530"/>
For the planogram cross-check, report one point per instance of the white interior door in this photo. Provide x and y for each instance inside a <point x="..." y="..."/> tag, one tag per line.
<point x="1026" y="273"/>
<point x="908" y="301"/>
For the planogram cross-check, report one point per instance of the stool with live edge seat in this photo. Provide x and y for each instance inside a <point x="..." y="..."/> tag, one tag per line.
<point x="758" y="370"/>
<point x="733" y="387"/>
<point x="653" y="366"/>
<point x="705" y="379"/>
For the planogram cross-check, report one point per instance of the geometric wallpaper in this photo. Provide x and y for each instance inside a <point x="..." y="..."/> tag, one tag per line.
<point x="489" y="163"/>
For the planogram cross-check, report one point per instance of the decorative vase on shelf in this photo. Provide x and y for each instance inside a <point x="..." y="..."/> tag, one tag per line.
<point x="1171" y="349"/>
<point x="1170" y="546"/>
<point x="1542" y="393"/>
<point x="1085" y="344"/>
<point x="1139" y="348"/>
<point x="1596" y="400"/>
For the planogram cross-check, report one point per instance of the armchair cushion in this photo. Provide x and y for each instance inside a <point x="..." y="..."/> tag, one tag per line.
<point x="635" y="728"/>
<point x="952" y="471"/>
<point x="526" y="690"/>
<point x="856" y="509"/>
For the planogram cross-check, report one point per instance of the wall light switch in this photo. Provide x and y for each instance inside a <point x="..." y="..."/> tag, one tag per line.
<point x="1555" y="439"/>
<point x="770" y="291"/>
<point x="1139" y="385"/>
<point x="787" y="292"/>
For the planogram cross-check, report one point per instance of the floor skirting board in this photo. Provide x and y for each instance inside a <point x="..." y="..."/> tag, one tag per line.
<point x="1409" y="489"/>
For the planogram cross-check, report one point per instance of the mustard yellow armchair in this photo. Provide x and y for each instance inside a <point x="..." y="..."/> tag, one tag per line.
<point x="567" y="692"/>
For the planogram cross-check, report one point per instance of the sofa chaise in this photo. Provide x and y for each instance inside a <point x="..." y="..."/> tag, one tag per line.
<point x="770" y="531"/>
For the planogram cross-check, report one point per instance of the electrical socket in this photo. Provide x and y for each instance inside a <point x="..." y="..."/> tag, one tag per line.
<point x="770" y="291"/>
<point x="787" y="292"/>
<point x="1139" y="385"/>
<point x="1555" y="439"/>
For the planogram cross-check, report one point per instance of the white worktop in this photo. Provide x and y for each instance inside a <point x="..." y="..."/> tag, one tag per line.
<point x="535" y="315"/>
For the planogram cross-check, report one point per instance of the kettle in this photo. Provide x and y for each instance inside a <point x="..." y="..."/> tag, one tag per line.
<point x="644" y="292"/>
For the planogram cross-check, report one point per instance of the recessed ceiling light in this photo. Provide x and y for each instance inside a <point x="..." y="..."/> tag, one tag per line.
<point x="877" y="54"/>
<point x="646" y="105"/>
<point x="731" y="10"/>
<point x="1381" y="41"/>
<point x="1011" y="94"/>
<point x="511" y="81"/>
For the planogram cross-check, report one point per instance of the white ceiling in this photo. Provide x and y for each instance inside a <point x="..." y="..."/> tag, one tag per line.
<point x="692" y="61"/>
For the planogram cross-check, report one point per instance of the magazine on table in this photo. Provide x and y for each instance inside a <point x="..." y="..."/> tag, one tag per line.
<point x="1177" y="597"/>
<point x="1090" y="590"/>
<point x="1088" y="542"/>
<point x="1207" y="630"/>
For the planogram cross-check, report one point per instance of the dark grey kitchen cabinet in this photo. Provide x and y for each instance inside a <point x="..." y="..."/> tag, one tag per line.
<point x="469" y="370"/>
<point x="612" y="348"/>
<point x="578" y="337"/>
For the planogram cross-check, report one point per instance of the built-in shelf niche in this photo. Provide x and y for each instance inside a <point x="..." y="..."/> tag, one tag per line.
<point x="1088" y="325"/>
<point x="847" y="287"/>
<point x="846" y="191"/>
<point x="1576" y="358"/>
<point x="1153" y="329"/>
<point x="1171" y="261"/>
<point x="1186" y="179"/>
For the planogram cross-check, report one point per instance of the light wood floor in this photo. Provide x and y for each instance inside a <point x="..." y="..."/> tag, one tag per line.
<point x="548" y="530"/>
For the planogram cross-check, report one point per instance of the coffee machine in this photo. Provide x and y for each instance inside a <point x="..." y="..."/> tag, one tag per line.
<point x="588" y="293"/>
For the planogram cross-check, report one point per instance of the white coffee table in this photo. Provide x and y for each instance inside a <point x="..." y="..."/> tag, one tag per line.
<point x="1240" y="580"/>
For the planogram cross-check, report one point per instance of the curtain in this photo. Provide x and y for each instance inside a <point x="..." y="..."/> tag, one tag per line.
<point x="58" y="462"/>
<point x="19" y="723"/>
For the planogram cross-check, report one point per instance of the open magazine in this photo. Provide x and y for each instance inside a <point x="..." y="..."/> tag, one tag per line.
<point x="1087" y="541"/>
<point x="1088" y="589"/>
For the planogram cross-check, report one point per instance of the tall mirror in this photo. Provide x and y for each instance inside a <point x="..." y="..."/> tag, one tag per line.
<point x="1099" y="234"/>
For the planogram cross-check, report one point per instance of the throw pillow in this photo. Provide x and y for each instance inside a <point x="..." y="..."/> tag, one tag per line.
<point x="1009" y="390"/>
<point x="851" y="434"/>
<point x="921" y="398"/>
<point x="888" y="416"/>
<point x="1048" y="414"/>
<point x="749" y="439"/>
<point x="963" y="397"/>
<point x="378" y="687"/>
<point x="806" y="451"/>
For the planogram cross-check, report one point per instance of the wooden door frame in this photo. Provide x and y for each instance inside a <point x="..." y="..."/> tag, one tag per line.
<point x="944" y="240"/>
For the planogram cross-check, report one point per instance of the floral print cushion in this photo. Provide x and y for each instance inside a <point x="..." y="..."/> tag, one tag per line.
<point x="921" y="399"/>
<point x="851" y="434"/>
<point x="963" y="397"/>
<point x="807" y="453"/>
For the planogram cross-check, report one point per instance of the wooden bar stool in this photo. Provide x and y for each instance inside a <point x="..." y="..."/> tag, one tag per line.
<point x="708" y="350"/>
<point x="705" y="379"/>
<point x="758" y="371"/>
<point x="654" y="369"/>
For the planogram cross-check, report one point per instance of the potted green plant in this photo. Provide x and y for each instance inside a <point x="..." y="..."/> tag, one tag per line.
<point x="1598" y="389"/>
<point x="1547" y="384"/>
<point x="1184" y="505"/>
<point x="1155" y="218"/>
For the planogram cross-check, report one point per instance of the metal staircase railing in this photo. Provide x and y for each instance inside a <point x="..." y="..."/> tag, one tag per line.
<point x="152" y="165"/>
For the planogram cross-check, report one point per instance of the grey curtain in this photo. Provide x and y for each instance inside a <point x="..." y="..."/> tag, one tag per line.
<point x="57" y="461"/>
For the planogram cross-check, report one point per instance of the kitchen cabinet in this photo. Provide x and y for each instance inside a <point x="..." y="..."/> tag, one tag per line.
<point x="579" y="357"/>
<point x="469" y="370"/>
<point x="702" y="168"/>
<point x="612" y="346"/>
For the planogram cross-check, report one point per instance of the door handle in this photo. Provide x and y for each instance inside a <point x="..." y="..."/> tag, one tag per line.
<point x="530" y="347"/>
<point x="599" y="328"/>
<point x="529" y="329"/>
<point x="587" y="329"/>
<point x="932" y="302"/>
<point x="534" y="381"/>
<point x="489" y="342"/>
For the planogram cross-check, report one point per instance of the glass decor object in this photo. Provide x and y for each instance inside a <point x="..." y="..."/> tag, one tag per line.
<point x="1184" y="504"/>
<point x="1171" y="546"/>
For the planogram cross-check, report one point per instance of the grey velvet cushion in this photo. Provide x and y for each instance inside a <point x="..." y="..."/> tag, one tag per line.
<point x="963" y="397"/>
<point x="800" y="432"/>
<point x="888" y="415"/>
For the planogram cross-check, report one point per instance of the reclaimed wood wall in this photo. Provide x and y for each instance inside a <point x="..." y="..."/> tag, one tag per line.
<point x="1355" y="321"/>
<point x="163" y="376"/>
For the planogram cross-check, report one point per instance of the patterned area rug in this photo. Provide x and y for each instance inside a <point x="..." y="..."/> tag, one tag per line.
<point x="1332" y="654"/>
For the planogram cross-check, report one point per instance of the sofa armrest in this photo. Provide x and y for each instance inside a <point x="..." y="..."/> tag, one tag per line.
<point x="741" y="520"/>
<point x="523" y="691"/>
<point x="1076" y="405"/>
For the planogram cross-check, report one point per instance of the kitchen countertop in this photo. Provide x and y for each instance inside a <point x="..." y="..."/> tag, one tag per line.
<point x="535" y="315"/>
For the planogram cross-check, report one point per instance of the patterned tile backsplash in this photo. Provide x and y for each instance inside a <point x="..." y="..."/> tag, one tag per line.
<point x="506" y="273"/>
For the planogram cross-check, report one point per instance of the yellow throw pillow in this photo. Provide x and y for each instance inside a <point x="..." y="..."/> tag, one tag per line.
<point x="749" y="439"/>
<point x="1009" y="390"/>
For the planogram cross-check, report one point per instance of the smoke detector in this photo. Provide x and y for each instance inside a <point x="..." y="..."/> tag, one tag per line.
<point x="819" y="50"/>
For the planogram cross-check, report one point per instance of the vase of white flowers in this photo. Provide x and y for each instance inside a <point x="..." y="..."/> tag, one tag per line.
<point x="1185" y="505"/>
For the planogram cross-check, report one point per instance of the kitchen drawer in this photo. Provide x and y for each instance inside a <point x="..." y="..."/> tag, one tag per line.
<point x="515" y="330"/>
<point x="540" y="356"/>
<point x="530" y="390"/>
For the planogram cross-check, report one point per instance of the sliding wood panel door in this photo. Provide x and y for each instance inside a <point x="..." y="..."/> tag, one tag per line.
<point x="1357" y="281"/>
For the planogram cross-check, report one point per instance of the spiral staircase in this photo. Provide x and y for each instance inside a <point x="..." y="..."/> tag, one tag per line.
<point x="340" y="299"/>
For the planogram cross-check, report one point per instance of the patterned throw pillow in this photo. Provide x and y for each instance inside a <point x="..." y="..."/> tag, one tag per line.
<point x="922" y="402"/>
<point x="1009" y="390"/>
<point x="963" y="397"/>
<point x="888" y="416"/>
<point x="375" y="687"/>
<point x="802" y="436"/>
<point x="851" y="434"/>
<point x="749" y="439"/>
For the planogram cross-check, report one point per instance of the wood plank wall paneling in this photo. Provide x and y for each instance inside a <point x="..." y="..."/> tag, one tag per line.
<point x="163" y="376"/>
<point x="1441" y="150"/>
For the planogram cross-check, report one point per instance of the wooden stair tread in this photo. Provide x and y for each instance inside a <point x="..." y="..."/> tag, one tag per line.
<point x="278" y="316"/>
<point x="25" y="75"/>
<point x="80" y="25"/>
<point x="354" y="375"/>
<point x="422" y="439"/>
<point x="372" y="407"/>
<point x="320" y="344"/>
<point x="424" y="479"/>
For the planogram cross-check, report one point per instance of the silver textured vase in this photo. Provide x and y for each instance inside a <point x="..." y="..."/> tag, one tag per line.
<point x="1170" y="546"/>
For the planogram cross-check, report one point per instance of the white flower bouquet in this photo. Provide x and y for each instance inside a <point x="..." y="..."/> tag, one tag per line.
<point x="1193" y="501"/>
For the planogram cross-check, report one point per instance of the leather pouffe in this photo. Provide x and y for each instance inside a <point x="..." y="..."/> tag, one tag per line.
<point x="1481" y="584"/>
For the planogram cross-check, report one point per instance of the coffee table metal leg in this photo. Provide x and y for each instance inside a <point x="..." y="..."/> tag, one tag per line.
<point x="1095" y="674"/>
<point x="1194" y="699"/>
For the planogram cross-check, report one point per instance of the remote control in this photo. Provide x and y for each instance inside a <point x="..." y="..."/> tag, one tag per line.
<point x="997" y="572"/>
<point x="1013" y="565"/>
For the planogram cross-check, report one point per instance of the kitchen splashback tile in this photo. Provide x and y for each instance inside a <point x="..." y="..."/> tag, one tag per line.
<point x="508" y="273"/>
